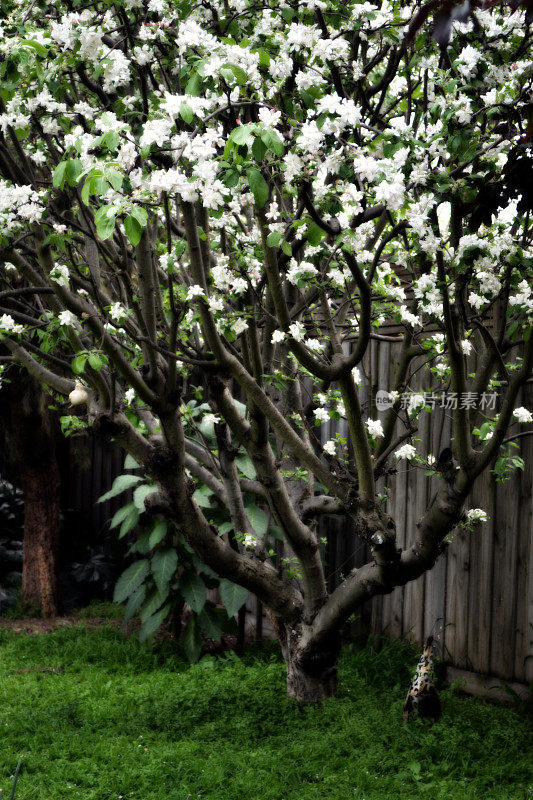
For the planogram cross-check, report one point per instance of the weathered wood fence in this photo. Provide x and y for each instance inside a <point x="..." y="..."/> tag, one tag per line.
<point x="478" y="599"/>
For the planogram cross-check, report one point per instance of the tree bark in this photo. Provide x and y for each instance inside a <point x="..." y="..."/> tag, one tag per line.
<point x="35" y="447"/>
<point x="311" y="674"/>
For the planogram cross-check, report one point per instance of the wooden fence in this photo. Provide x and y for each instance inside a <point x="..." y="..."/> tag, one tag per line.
<point x="478" y="599"/>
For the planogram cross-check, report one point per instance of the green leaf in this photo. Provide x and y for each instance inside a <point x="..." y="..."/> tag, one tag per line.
<point x="192" y="588"/>
<point x="274" y="239"/>
<point x="164" y="565"/>
<point x="121" y="515"/>
<point x="200" y="567"/>
<point x="134" y="603"/>
<point x="232" y="596"/>
<point x="230" y="179"/>
<point x="272" y="141"/>
<point x="186" y="113"/>
<point x="140" y="214"/>
<point x="210" y="622"/>
<point x="130" y="580"/>
<point x="141" y="493"/>
<point x="287" y="249"/>
<point x="95" y="362"/>
<point x="78" y="363"/>
<point x="129" y="523"/>
<point x="120" y="485"/>
<point x="105" y="216"/>
<point x="58" y="176"/>
<point x="194" y="86"/>
<point x="115" y="178"/>
<point x="258" y="519"/>
<point x="153" y="624"/>
<point x="314" y="234"/>
<point x="153" y="604"/>
<point x="259" y="150"/>
<point x="192" y="640"/>
<point x="245" y="465"/>
<point x="202" y="497"/>
<point x="86" y="191"/>
<point x="73" y="171"/>
<point x="105" y="223"/>
<point x="37" y="46"/>
<point x="258" y="185"/>
<point x="241" y="134"/>
<point x="233" y="70"/>
<point x="133" y="230"/>
<point x="130" y="463"/>
<point x="158" y="533"/>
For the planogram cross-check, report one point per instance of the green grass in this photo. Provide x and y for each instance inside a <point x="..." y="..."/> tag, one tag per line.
<point x="117" y="720"/>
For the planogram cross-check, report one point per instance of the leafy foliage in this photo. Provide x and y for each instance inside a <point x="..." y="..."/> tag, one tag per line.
<point x="168" y="575"/>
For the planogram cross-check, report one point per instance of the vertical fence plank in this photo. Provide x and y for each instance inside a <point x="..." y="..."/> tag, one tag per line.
<point x="435" y="600"/>
<point x="504" y="586"/>
<point x="480" y="578"/>
<point x="523" y="634"/>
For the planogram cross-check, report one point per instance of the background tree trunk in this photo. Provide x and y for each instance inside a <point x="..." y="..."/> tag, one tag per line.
<point x="34" y="434"/>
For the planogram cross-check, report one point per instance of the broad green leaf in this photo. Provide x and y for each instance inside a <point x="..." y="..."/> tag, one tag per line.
<point x="233" y="70"/>
<point x="139" y="213"/>
<point x="133" y="230"/>
<point x="258" y="185"/>
<point x="274" y="239"/>
<point x="153" y="624"/>
<point x="230" y="179"/>
<point x="58" y="177"/>
<point x="232" y="596"/>
<point x="272" y="141"/>
<point x="193" y="590"/>
<point x="210" y="622"/>
<point x="73" y="171"/>
<point x="105" y="221"/>
<point x="153" y="604"/>
<point x="241" y="134"/>
<point x="164" y="565"/>
<point x="258" y="519"/>
<point x="37" y="46"/>
<point x="158" y="533"/>
<point x="134" y="603"/>
<point x="259" y="149"/>
<point x="314" y="234"/>
<point x="141" y="493"/>
<point x="115" y="178"/>
<point x="201" y="497"/>
<point x="186" y="113"/>
<point x="194" y="86"/>
<point x="245" y="465"/>
<point x="130" y="463"/>
<point x="78" y="363"/>
<point x="192" y="640"/>
<point x="130" y="580"/>
<point x="95" y="362"/>
<point x="121" y="515"/>
<point x="129" y="522"/>
<point x="199" y="565"/>
<point x="120" y="485"/>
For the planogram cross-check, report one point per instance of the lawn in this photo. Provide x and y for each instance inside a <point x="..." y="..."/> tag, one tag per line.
<point x="97" y="716"/>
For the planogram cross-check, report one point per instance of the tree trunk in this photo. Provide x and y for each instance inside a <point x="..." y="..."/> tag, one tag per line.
<point x="34" y="439"/>
<point x="311" y="676"/>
